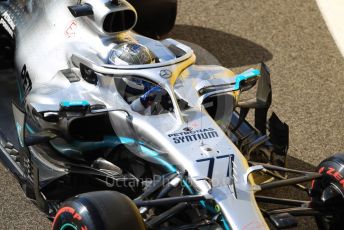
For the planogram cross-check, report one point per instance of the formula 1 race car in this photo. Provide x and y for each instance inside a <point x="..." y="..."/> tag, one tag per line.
<point x="116" y="128"/>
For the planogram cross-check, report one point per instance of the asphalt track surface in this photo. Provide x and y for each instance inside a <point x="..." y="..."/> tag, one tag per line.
<point x="307" y="77"/>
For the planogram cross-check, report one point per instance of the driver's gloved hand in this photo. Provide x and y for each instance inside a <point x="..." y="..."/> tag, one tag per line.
<point x="148" y="98"/>
<point x="141" y="103"/>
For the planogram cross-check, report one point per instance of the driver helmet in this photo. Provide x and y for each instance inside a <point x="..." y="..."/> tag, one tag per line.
<point x="131" y="53"/>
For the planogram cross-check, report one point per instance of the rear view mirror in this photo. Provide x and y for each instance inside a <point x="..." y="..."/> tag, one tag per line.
<point x="246" y="85"/>
<point x="262" y="100"/>
<point x="246" y="80"/>
<point x="263" y="94"/>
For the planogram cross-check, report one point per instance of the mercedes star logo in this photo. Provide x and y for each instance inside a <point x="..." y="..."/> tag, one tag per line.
<point x="165" y="73"/>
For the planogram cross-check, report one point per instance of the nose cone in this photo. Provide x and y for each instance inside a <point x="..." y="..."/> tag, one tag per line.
<point x="241" y="212"/>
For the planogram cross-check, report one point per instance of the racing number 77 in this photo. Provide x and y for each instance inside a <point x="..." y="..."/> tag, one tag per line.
<point x="212" y="163"/>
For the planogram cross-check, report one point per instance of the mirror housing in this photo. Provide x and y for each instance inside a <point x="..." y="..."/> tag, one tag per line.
<point x="246" y="80"/>
<point x="263" y="96"/>
<point x="261" y="102"/>
<point x="246" y="85"/>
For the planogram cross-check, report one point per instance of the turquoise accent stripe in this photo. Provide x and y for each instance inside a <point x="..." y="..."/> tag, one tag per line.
<point x="28" y="128"/>
<point x="155" y="155"/>
<point x="108" y="142"/>
<point x="149" y="152"/>
<point x="188" y="187"/>
<point x="126" y="140"/>
<point x="19" y="133"/>
<point x="208" y="207"/>
<point x="74" y="103"/>
<point x="245" y="76"/>
<point x="21" y="93"/>
<point x="225" y="223"/>
<point x="113" y="141"/>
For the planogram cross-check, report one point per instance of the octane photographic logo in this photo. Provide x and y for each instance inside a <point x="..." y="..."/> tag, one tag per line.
<point x="116" y="182"/>
<point x="112" y="182"/>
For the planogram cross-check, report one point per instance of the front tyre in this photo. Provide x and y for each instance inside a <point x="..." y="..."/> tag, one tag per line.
<point x="328" y="192"/>
<point x="106" y="210"/>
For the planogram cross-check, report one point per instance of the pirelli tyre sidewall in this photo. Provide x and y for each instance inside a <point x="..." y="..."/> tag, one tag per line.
<point x="332" y="170"/>
<point x="106" y="210"/>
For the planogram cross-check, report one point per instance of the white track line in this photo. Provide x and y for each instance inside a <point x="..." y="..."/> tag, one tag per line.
<point x="333" y="13"/>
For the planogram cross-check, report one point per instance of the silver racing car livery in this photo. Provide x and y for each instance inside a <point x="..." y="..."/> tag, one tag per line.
<point x="120" y="129"/>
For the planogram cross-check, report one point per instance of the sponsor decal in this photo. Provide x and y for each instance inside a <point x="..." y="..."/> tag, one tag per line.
<point x="191" y="136"/>
<point x="333" y="173"/>
<point x="70" y="211"/>
<point x="71" y="29"/>
<point x="212" y="160"/>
